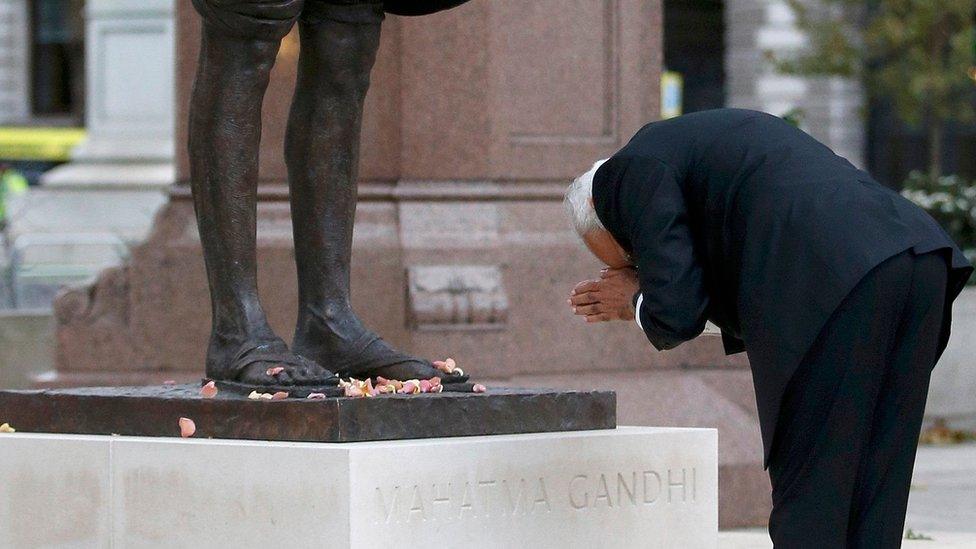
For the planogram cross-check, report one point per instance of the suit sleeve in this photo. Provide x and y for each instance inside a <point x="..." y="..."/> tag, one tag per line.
<point x="672" y="305"/>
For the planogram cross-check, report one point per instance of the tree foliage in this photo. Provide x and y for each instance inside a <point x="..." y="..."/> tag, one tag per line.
<point x="917" y="54"/>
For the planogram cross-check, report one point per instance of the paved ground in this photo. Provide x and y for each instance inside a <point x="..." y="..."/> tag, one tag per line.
<point x="942" y="505"/>
<point x="757" y="539"/>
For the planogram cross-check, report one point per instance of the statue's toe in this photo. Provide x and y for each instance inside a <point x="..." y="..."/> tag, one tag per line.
<point x="415" y="369"/>
<point x="287" y="369"/>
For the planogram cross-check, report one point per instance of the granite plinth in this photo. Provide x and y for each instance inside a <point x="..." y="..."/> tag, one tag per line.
<point x="155" y="411"/>
<point x="647" y="488"/>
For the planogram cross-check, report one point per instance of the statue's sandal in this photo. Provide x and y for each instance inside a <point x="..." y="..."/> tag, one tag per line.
<point x="374" y="355"/>
<point x="276" y="356"/>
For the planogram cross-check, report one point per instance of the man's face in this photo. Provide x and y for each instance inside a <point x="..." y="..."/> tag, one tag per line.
<point x="606" y="249"/>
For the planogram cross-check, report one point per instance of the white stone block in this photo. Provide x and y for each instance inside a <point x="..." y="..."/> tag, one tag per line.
<point x="631" y="487"/>
<point x="54" y="491"/>
<point x="953" y="382"/>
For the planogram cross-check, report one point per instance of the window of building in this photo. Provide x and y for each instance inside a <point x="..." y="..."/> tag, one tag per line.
<point x="57" y="59"/>
<point x="694" y="46"/>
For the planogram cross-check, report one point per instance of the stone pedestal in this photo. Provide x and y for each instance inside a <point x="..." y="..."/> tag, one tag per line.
<point x="455" y="412"/>
<point x="118" y="176"/>
<point x="953" y="381"/>
<point x="630" y="487"/>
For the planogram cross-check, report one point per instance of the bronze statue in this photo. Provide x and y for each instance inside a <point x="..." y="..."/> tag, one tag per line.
<point x="339" y="39"/>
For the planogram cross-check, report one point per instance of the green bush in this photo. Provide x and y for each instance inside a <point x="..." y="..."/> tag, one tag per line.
<point x="951" y="200"/>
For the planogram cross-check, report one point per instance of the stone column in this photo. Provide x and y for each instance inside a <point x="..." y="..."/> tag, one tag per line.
<point x="117" y="177"/>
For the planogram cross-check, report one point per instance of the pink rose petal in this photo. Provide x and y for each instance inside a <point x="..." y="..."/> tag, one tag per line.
<point x="169" y="382"/>
<point x="209" y="390"/>
<point x="425" y="386"/>
<point x="187" y="427"/>
<point x="479" y="388"/>
<point x="447" y="366"/>
<point x="315" y="396"/>
<point x="411" y="386"/>
<point x="280" y="395"/>
<point x="275" y="371"/>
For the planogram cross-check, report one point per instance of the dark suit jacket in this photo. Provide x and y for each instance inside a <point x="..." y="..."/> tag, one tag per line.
<point x="417" y="7"/>
<point x="738" y="217"/>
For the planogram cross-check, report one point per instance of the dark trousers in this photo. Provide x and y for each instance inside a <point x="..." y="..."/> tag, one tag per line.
<point x="842" y="459"/>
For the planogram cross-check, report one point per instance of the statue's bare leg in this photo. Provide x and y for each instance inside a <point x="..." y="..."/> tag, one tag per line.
<point x="225" y="132"/>
<point x="322" y="153"/>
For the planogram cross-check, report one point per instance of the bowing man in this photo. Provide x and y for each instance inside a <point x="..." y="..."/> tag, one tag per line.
<point x="838" y="289"/>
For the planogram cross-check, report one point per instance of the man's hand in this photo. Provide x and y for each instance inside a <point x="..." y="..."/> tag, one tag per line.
<point x="608" y="298"/>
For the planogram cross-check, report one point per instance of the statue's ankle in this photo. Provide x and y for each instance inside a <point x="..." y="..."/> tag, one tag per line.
<point x="329" y="316"/>
<point x="224" y="336"/>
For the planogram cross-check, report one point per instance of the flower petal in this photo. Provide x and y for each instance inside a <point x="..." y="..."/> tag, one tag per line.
<point x="275" y="371"/>
<point x="209" y="390"/>
<point x="316" y="396"/>
<point x="187" y="427"/>
<point x="479" y="388"/>
<point x="447" y="366"/>
<point x="280" y="395"/>
<point x="6" y="428"/>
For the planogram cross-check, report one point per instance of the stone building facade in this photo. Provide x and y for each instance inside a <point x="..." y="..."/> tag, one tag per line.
<point x="833" y="108"/>
<point x="14" y="73"/>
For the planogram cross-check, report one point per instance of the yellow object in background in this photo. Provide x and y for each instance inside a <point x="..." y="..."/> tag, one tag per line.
<point x="45" y="144"/>
<point x="11" y="183"/>
<point x="672" y="92"/>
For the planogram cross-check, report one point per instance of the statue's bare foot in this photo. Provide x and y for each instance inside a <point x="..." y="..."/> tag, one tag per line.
<point x="263" y="361"/>
<point x="351" y="350"/>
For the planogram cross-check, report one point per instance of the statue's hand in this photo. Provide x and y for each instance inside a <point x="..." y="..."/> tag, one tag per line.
<point x="607" y="298"/>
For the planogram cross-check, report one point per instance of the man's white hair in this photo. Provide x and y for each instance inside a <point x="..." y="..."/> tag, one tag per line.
<point x="579" y="202"/>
